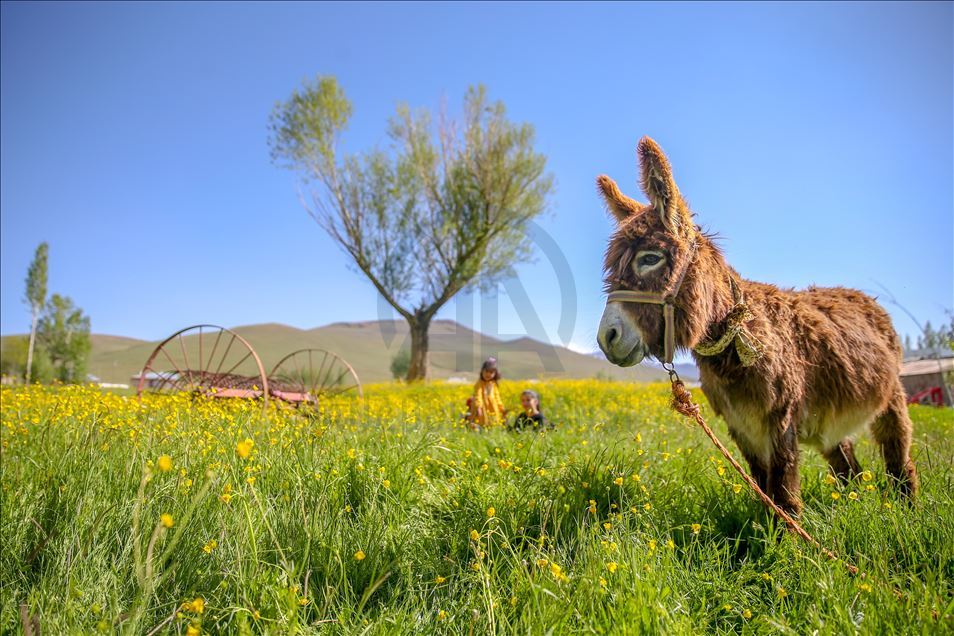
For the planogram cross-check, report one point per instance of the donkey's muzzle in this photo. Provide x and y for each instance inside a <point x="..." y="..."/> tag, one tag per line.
<point x="619" y="338"/>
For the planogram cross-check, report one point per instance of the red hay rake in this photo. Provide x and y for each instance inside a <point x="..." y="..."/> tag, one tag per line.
<point x="217" y="362"/>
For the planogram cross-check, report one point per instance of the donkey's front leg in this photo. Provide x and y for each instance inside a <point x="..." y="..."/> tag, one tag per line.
<point x="784" y="482"/>
<point x="757" y="466"/>
<point x="842" y="460"/>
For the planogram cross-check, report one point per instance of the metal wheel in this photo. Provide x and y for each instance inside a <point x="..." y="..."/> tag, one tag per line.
<point x="306" y="375"/>
<point x="207" y="360"/>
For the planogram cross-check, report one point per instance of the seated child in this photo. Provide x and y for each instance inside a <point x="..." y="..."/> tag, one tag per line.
<point x="486" y="407"/>
<point x="531" y="418"/>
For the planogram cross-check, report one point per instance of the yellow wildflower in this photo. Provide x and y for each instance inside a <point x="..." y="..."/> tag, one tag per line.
<point x="244" y="448"/>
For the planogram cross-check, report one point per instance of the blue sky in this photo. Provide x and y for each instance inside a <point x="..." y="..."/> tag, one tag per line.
<point x="815" y="138"/>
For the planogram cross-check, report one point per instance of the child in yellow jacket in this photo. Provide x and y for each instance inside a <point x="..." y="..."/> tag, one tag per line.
<point x="486" y="407"/>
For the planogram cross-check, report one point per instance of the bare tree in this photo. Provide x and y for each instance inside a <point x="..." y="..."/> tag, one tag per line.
<point x="443" y="210"/>
<point x="930" y="340"/>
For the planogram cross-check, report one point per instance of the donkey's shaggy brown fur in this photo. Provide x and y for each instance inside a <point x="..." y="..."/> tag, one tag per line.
<point x="831" y="357"/>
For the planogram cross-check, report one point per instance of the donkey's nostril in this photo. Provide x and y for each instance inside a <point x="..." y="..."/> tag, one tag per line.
<point x="611" y="335"/>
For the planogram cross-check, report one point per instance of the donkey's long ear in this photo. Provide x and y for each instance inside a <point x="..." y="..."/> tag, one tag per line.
<point x="658" y="184"/>
<point x="618" y="203"/>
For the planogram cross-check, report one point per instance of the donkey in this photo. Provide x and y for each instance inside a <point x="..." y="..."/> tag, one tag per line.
<point x="780" y="366"/>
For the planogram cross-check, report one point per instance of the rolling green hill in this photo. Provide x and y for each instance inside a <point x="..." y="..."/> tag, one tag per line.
<point x="456" y="351"/>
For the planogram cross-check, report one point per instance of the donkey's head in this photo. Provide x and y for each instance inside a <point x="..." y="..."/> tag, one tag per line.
<point x="649" y="252"/>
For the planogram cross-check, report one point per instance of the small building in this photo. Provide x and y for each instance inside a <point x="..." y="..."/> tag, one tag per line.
<point x="925" y="381"/>
<point x="154" y="380"/>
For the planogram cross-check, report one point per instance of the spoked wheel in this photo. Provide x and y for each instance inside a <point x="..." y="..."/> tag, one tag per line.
<point x="205" y="360"/>
<point x="306" y="375"/>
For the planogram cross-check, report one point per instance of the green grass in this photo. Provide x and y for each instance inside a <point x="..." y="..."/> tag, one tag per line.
<point x="400" y="481"/>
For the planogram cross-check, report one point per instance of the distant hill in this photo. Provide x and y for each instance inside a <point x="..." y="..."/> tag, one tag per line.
<point x="687" y="370"/>
<point x="455" y="351"/>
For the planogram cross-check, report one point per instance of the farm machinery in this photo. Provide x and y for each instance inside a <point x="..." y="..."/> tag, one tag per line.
<point x="217" y="362"/>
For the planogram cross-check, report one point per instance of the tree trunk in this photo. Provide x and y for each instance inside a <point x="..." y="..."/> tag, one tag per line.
<point x="29" y="366"/>
<point x="418" y="368"/>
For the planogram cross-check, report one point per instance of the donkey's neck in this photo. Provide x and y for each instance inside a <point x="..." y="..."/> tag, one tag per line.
<point x="710" y="293"/>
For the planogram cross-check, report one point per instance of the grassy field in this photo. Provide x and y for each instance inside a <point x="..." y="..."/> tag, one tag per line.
<point x="177" y="516"/>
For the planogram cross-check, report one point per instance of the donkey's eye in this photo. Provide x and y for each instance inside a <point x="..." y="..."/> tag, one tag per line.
<point x="647" y="260"/>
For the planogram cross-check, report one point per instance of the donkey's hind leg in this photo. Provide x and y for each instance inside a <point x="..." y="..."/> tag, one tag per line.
<point x="892" y="430"/>
<point x="842" y="460"/>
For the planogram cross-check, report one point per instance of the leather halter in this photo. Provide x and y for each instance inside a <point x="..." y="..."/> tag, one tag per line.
<point x="667" y="300"/>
